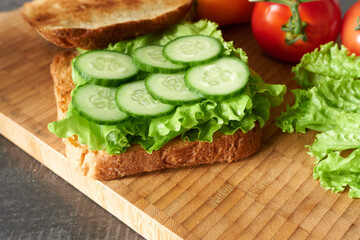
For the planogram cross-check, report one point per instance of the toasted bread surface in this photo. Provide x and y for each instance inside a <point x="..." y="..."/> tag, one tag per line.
<point x="176" y="153"/>
<point x="93" y="24"/>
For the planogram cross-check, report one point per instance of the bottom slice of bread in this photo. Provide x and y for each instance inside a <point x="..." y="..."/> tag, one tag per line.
<point x="177" y="153"/>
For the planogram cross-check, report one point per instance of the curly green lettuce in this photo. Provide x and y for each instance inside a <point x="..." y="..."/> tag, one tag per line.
<point x="327" y="61"/>
<point x="197" y="121"/>
<point x="331" y="106"/>
<point x="335" y="173"/>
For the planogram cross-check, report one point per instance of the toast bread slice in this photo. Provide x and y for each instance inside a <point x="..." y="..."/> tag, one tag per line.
<point x="176" y="153"/>
<point x="93" y="24"/>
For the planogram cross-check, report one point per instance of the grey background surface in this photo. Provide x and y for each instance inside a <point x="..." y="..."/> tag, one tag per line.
<point x="37" y="204"/>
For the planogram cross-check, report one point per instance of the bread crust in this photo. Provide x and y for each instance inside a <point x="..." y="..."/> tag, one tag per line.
<point x="46" y="22"/>
<point x="177" y="153"/>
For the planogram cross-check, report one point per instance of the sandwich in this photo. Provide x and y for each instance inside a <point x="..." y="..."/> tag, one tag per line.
<point x="177" y="97"/>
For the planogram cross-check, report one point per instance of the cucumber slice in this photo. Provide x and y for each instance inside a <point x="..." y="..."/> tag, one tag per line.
<point x="170" y="88"/>
<point x="219" y="79"/>
<point x="193" y="50"/>
<point x="97" y="104"/>
<point x="151" y="59"/>
<point x="105" y="68"/>
<point x="134" y="99"/>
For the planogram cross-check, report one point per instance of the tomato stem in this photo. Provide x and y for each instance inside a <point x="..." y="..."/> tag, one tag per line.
<point x="294" y="28"/>
<point x="358" y="24"/>
<point x="296" y="18"/>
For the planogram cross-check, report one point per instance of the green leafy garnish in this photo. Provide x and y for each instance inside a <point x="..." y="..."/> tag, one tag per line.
<point x="330" y="61"/>
<point x="330" y="105"/>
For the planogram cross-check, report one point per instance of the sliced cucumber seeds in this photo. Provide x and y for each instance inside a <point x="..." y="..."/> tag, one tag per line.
<point x="151" y="59"/>
<point x="97" y="104"/>
<point x="192" y="50"/>
<point x="171" y="89"/>
<point x="134" y="99"/>
<point x="105" y="68"/>
<point x="219" y="79"/>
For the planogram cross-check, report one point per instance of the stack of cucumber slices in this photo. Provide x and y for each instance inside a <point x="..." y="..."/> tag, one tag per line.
<point x="185" y="71"/>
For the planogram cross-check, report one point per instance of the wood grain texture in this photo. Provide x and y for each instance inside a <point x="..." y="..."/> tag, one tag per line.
<point x="269" y="195"/>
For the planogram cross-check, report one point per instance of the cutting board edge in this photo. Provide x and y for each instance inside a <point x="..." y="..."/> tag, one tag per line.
<point x="35" y="147"/>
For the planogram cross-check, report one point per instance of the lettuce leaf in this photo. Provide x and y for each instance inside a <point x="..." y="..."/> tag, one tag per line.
<point x="331" y="106"/>
<point x="336" y="172"/>
<point x="343" y="137"/>
<point x="329" y="60"/>
<point x="320" y="108"/>
<point x="74" y="124"/>
<point x="192" y="122"/>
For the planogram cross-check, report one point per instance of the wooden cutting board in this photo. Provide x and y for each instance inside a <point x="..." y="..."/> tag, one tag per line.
<point x="269" y="195"/>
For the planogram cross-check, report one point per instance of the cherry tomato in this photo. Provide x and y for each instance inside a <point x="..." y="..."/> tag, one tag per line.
<point x="323" y="22"/>
<point x="349" y="36"/>
<point x="225" y="12"/>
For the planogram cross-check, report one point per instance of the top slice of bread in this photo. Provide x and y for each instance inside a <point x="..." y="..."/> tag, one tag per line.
<point x="93" y="24"/>
<point x="176" y="153"/>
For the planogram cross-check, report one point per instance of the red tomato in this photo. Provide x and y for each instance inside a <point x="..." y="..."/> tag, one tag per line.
<point x="323" y="19"/>
<point x="225" y="11"/>
<point x="349" y="36"/>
